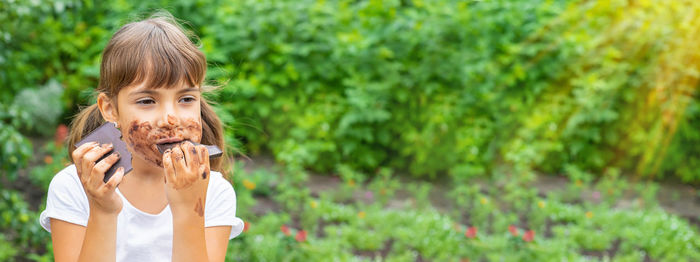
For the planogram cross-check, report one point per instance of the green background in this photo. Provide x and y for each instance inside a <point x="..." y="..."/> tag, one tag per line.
<point x="435" y="90"/>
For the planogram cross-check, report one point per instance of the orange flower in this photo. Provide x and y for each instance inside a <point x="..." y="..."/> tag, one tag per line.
<point x="301" y="236"/>
<point x="361" y="215"/>
<point x="285" y="230"/>
<point x="513" y="230"/>
<point x="246" y="226"/>
<point x="48" y="160"/>
<point x="471" y="232"/>
<point x="248" y="184"/>
<point x="589" y="214"/>
<point x="529" y="235"/>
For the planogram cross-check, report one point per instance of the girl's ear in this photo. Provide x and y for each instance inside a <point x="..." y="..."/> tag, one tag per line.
<point x="108" y="108"/>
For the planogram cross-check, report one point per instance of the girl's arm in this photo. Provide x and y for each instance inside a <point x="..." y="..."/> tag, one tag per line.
<point x="217" y="242"/>
<point x="66" y="237"/>
<point x="189" y="242"/>
<point x="193" y="242"/>
<point x="187" y="179"/>
<point x="97" y="241"/>
<point x="100" y="243"/>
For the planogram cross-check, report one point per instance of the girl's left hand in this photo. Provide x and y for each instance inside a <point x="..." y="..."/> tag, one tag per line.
<point x="186" y="177"/>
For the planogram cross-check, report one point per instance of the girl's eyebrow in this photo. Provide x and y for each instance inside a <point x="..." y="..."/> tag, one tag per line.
<point x="144" y="91"/>
<point x="191" y="89"/>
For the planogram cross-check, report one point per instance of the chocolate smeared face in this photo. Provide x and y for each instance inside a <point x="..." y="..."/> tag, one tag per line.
<point x="149" y="116"/>
<point x="144" y="137"/>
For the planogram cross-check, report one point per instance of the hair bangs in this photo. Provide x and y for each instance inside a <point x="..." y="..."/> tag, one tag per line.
<point x="155" y="53"/>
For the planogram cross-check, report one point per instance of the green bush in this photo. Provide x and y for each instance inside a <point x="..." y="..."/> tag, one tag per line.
<point x="458" y="87"/>
<point x="429" y="87"/>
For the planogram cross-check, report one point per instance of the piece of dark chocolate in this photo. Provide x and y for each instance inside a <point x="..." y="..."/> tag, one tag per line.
<point x="106" y="134"/>
<point x="214" y="151"/>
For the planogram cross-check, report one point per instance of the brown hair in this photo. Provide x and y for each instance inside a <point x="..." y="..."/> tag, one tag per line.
<point x="158" y="53"/>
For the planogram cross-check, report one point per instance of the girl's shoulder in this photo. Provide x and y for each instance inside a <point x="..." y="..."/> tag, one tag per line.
<point x="217" y="180"/>
<point x="67" y="176"/>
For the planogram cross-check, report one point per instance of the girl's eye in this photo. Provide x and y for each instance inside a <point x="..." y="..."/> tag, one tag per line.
<point x="188" y="99"/>
<point x="146" y="101"/>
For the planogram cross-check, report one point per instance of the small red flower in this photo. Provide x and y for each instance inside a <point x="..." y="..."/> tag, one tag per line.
<point x="301" y="236"/>
<point x="513" y="230"/>
<point x="529" y="235"/>
<point x="285" y="230"/>
<point x="246" y="226"/>
<point x="61" y="134"/>
<point x="471" y="232"/>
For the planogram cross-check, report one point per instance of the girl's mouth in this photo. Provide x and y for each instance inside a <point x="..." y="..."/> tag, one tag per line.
<point x="164" y="146"/>
<point x="169" y="140"/>
<point x="145" y="139"/>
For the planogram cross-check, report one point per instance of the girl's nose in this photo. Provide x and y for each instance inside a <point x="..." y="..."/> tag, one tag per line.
<point x="167" y="120"/>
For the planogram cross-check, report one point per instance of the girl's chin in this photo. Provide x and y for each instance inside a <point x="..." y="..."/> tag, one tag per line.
<point x="151" y="160"/>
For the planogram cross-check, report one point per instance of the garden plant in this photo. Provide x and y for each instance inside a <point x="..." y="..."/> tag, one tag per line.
<point x="404" y="130"/>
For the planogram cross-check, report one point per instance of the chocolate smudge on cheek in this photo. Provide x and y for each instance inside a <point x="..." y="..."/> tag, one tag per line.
<point x="172" y="120"/>
<point x="142" y="143"/>
<point x="204" y="175"/>
<point x="198" y="208"/>
<point x="192" y="129"/>
<point x="142" y="137"/>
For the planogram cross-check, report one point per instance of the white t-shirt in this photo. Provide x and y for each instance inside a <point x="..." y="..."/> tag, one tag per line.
<point x="140" y="236"/>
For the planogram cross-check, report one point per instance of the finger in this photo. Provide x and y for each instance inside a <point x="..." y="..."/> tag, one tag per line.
<point x="113" y="181"/>
<point x="191" y="156"/>
<point x="99" y="170"/>
<point x="78" y="153"/>
<point x="202" y="171"/>
<point x="179" y="164"/>
<point x="97" y="152"/>
<point x="88" y="161"/>
<point x="168" y="165"/>
<point x="204" y="157"/>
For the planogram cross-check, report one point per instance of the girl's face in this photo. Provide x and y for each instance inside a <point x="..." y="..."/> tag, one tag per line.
<point x="148" y="117"/>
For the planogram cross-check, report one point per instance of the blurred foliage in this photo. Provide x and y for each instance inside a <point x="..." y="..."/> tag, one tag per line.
<point x="592" y="90"/>
<point x="461" y="87"/>
<point x="432" y="87"/>
<point x="360" y="226"/>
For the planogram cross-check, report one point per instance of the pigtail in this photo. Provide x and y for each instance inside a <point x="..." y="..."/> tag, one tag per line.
<point x="213" y="134"/>
<point x="87" y="120"/>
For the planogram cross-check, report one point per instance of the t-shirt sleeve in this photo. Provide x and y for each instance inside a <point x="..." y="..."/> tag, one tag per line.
<point x="220" y="209"/>
<point x="66" y="200"/>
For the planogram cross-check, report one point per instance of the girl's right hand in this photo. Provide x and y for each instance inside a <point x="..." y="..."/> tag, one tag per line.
<point x="101" y="195"/>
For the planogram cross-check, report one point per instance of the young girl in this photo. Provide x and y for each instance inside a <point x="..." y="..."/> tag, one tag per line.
<point x="170" y="206"/>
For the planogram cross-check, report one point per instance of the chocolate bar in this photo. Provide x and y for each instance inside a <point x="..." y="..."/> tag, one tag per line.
<point x="214" y="151"/>
<point x="106" y="134"/>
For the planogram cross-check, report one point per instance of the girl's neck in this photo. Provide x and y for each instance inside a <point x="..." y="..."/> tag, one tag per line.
<point x="144" y="172"/>
<point x="144" y="187"/>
